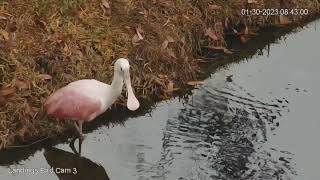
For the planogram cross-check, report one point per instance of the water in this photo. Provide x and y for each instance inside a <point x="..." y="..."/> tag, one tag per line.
<point x="257" y="119"/>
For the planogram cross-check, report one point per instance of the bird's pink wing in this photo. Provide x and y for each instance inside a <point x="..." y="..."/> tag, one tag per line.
<point x="71" y="104"/>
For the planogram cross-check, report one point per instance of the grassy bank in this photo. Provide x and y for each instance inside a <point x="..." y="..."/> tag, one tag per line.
<point x="45" y="44"/>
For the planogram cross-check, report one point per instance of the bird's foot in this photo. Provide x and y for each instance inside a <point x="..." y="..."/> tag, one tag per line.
<point x="72" y="145"/>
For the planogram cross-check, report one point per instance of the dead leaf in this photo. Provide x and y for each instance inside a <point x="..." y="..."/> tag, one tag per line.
<point x="246" y="30"/>
<point x="106" y="7"/>
<point x="284" y="20"/>
<point x="252" y="2"/>
<point x="3" y="18"/>
<point x="224" y="49"/>
<point x="139" y="31"/>
<point x="105" y="4"/>
<point x="7" y="91"/>
<point x="42" y="24"/>
<point x="164" y="45"/>
<point x="214" y="7"/>
<point x="29" y="110"/>
<point x="210" y="32"/>
<point x="135" y="39"/>
<point x="168" y="20"/>
<point x="171" y="53"/>
<point x="169" y="87"/>
<point x="162" y="76"/>
<point x="195" y="83"/>
<point x="243" y="39"/>
<point x="159" y="82"/>
<point x="138" y="36"/>
<point x="170" y="39"/>
<point x="21" y="84"/>
<point x="45" y="76"/>
<point x="5" y="35"/>
<point x="166" y="42"/>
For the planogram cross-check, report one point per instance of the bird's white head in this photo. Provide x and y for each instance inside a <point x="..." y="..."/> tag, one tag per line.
<point x="122" y="67"/>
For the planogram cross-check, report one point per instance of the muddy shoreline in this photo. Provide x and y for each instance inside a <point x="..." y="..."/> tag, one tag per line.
<point x="42" y="50"/>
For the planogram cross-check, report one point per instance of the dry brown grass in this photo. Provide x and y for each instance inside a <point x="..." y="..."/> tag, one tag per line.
<point x="45" y="44"/>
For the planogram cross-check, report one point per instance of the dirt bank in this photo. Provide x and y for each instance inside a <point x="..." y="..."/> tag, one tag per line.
<point x="45" y="44"/>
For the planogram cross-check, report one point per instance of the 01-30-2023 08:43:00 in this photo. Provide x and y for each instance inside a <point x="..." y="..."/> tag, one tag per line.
<point x="274" y="12"/>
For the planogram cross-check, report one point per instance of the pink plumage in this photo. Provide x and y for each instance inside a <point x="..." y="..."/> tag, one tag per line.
<point x="67" y="103"/>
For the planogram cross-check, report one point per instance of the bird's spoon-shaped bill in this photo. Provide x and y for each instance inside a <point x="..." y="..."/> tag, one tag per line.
<point x="132" y="102"/>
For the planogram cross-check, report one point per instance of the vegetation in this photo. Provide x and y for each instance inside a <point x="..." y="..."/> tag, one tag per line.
<point x="45" y="44"/>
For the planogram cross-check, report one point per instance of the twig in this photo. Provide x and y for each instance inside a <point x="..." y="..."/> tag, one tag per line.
<point x="28" y="145"/>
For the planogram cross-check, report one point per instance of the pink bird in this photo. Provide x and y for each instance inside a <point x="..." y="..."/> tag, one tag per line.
<point x="84" y="100"/>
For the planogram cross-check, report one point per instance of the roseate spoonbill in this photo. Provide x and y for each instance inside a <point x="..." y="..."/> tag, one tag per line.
<point x="84" y="100"/>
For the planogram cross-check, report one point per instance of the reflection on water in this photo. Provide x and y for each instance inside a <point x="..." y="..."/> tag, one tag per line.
<point x="219" y="135"/>
<point x="252" y="120"/>
<point x="69" y="166"/>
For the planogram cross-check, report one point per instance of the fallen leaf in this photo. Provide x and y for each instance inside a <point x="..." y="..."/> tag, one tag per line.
<point x="169" y="87"/>
<point x="214" y="7"/>
<point x="45" y="76"/>
<point x="246" y="30"/>
<point x="224" y="49"/>
<point x="227" y="51"/>
<point x="252" y="2"/>
<point x="105" y="4"/>
<point x="5" y="35"/>
<point x="162" y="76"/>
<point x="3" y="18"/>
<point x="106" y="7"/>
<point x="170" y="39"/>
<point x="210" y="32"/>
<point x="139" y="31"/>
<point x="168" y="20"/>
<point x="159" y="82"/>
<point x="135" y="39"/>
<point x="21" y="85"/>
<point x="138" y="36"/>
<point x="66" y="48"/>
<point x="42" y="24"/>
<point x="195" y="83"/>
<point x="7" y="91"/>
<point x="171" y="53"/>
<point x="243" y="39"/>
<point x="284" y="20"/>
<point x="164" y="45"/>
<point x="29" y="110"/>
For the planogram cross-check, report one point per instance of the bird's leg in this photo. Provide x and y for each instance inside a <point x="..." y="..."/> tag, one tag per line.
<point x="76" y="125"/>
<point x="81" y="137"/>
<point x="80" y="131"/>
